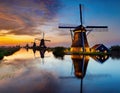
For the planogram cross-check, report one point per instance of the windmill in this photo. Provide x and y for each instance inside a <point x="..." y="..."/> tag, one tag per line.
<point x="42" y="42"/>
<point x="79" y="39"/>
<point x="34" y="45"/>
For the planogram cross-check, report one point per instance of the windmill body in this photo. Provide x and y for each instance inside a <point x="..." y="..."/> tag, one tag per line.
<point x="34" y="45"/>
<point x="79" y="42"/>
<point x="42" y="44"/>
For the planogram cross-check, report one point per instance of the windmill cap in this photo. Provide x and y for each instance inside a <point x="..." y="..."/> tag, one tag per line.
<point x="80" y="27"/>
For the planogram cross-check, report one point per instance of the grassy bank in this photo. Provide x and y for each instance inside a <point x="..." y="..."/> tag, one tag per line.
<point x="115" y="52"/>
<point x="61" y="51"/>
<point x="6" y="51"/>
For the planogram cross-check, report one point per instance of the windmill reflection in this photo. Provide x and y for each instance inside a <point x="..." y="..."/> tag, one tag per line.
<point x="100" y="58"/>
<point x="41" y="52"/>
<point x="80" y="63"/>
<point x="34" y="51"/>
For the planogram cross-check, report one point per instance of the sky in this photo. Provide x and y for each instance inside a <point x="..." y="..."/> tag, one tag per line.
<point x="23" y="20"/>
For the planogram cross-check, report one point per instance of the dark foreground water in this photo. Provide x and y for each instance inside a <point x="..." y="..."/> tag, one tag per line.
<point x="26" y="72"/>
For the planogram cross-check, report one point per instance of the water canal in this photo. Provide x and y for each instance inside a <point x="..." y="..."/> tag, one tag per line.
<point x="26" y="72"/>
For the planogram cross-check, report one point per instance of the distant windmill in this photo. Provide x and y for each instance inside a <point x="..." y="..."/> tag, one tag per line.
<point x="34" y="44"/>
<point x="79" y="39"/>
<point x="42" y="42"/>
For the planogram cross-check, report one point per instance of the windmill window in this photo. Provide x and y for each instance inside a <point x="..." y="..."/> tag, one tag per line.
<point x="98" y="57"/>
<point x="102" y="58"/>
<point x="98" y="50"/>
<point x="102" y="48"/>
<point x="106" y="57"/>
<point x="87" y="50"/>
<point x="90" y="50"/>
<point x="105" y="51"/>
<point x="81" y="49"/>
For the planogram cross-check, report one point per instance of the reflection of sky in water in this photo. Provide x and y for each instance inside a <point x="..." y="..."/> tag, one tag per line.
<point x="103" y="78"/>
<point x="23" y="54"/>
<point x="25" y="73"/>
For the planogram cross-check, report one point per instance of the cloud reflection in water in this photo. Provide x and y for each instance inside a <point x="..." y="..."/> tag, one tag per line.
<point x="31" y="81"/>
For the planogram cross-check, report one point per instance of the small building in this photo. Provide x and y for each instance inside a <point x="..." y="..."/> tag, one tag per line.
<point x="100" y="58"/>
<point x="99" y="48"/>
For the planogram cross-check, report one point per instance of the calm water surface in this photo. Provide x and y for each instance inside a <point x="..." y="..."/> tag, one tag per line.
<point x="26" y="72"/>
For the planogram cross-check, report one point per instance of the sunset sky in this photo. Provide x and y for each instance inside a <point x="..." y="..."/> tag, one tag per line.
<point x="23" y="20"/>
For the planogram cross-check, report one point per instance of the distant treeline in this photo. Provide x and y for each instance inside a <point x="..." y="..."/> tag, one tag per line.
<point x="115" y="52"/>
<point x="57" y="48"/>
<point x="115" y="48"/>
<point x="58" y="51"/>
<point x="6" y="51"/>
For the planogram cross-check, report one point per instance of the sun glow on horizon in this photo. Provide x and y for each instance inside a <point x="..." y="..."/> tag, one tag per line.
<point x="12" y="40"/>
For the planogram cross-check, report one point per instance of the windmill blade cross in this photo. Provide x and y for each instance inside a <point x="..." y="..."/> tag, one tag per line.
<point x="47" y="40"/>
<point x="68" y="77"/>
<point x="69" y="27"/>
<point x="80" y="6"/>
<point x="97" y="28"/>
<point x="37" y="39"/>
